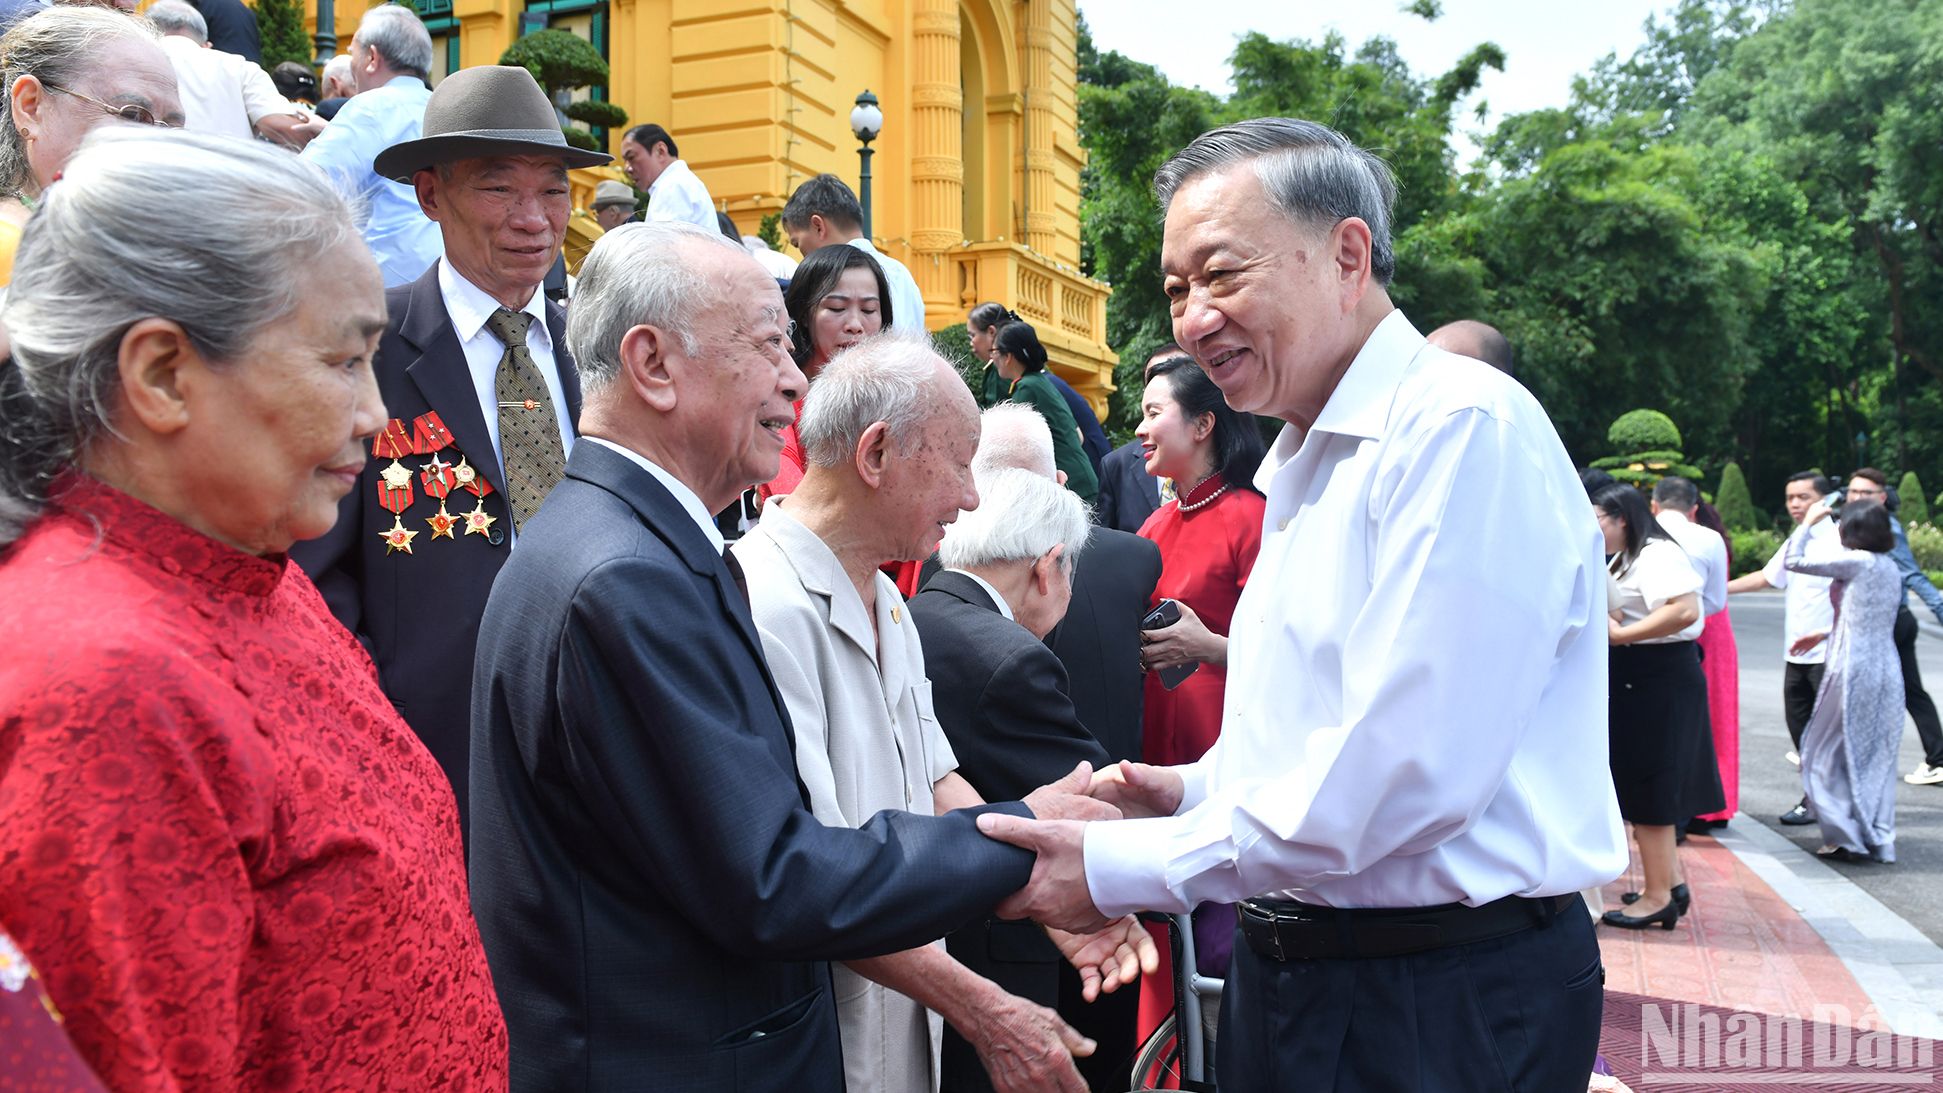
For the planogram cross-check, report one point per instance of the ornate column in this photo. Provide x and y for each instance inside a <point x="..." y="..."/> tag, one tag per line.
<point x="937" y="140"/>
<point x="1041" y="221"/>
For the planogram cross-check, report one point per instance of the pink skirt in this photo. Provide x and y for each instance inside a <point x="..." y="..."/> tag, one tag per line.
<point x="1721" y="662"/>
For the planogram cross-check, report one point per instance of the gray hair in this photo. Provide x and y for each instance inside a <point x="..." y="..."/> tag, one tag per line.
<point x="337" y="68"/>
<point x="637" y="275"/>
<point x="1020" y="516"/>
<point x="59" y="46"/>
<point x="110" y="246"/>
<point x="1012" y="434"/>
<point x="1313" y="173"/>
<point x="1676" y="493"/>
<point x="883" y="378"/>
<point x="399" y="36"/>
<point x="177" y="17"/>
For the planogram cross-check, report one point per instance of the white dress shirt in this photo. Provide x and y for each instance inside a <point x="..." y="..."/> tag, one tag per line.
<point x="1660" y="573"/>
<point x="1416" y="702"/>
<point x="402" y="238"/>
<point x="907" y="302"/>
<point x="676" y="194"/>
<point x="221" y="92"/>
<point x="1708" y="553"/>
<point x="1807" y="609"/>
<point x="1003" y="607"/>
<point x="691" y="503"/>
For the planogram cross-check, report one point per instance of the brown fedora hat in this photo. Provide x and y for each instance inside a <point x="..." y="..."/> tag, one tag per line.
<point x="492" y="110"/>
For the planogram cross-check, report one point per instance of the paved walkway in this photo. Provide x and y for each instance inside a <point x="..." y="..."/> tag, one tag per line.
<point x="1773" y="933"/>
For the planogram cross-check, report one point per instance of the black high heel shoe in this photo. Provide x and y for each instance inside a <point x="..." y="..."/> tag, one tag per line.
<point x="1682" y="898"/>
<point x="1664" y="918"/>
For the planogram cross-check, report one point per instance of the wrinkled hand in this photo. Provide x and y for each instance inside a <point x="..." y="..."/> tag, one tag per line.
<point x="1806" y="642"/>
<point x="1187" y="641"/>
<point x="1056" y="894"/>
<point x="1026" y="1048"/>
<point x="1138" y="790"/>
<point x="1110" y="958"/>
<point x="1067" y="799"/>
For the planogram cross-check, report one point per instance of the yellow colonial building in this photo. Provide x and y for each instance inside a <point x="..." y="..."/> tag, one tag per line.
<point x="976" y="174"/>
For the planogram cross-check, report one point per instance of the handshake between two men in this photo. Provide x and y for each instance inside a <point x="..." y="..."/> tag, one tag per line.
<point x="1057" y="896"/>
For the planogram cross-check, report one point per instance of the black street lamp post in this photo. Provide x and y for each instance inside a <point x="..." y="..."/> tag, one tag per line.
<point x="866" y="121"/>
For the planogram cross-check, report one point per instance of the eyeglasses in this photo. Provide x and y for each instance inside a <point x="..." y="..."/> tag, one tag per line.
<point x="129" y="112"/>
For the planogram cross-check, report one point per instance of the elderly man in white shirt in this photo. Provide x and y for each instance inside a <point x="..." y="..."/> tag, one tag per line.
<point x="675" y="193"/>
<point x="1411" y="783"/>
<point x="890" y="431"/>
<point x="223" y="92"/>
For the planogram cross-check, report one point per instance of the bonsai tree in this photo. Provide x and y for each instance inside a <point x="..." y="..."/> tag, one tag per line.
<point x="1648" y="444"/>
<point x="1916" y="507"/>
<point x="1736" y="505"/>
<point x="560" y="62"/>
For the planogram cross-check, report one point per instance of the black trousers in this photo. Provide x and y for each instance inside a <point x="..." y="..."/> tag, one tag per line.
<point x="1799" y="684"/>
<point x="1921" y="709"/>
<point x="1513" y="1013"/>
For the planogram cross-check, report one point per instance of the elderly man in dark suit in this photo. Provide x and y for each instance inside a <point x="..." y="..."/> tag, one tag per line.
<point x="655" y="894"/>
<point x="482" y="397"/>
<point x="1000" y="694"/>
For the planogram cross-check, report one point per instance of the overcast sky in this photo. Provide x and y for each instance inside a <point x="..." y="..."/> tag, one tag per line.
<point x="1546" y="42"/>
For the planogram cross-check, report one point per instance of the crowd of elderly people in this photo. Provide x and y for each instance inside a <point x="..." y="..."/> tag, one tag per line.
<point x="320" y="588"/>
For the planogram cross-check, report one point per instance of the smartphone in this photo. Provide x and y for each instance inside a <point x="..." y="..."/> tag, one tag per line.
<point x="1166" y="613"/>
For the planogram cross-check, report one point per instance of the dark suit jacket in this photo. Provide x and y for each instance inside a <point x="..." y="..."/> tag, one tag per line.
<point x="1128" y="494"/>
<point x="1099" y="639"/>
<point x="1001" y="699"/>
<point x="418" y="613"/>
<point x="654" y="894"/>
<point x="232" y="28"/>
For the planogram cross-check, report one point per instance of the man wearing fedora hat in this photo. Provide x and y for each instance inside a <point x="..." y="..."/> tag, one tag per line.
<point x="613" y="204"/>
<point x="482" y="399"/>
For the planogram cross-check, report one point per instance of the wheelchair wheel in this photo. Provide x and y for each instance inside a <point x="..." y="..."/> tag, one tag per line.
<point x="1158" y="1063"/>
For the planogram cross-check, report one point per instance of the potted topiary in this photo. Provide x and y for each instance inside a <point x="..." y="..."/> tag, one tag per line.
<point x="561" y="62"/>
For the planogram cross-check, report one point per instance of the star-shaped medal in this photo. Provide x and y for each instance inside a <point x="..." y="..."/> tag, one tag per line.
<point x="398" y="538"/>
<point x="442" y="523"/>
<point x="397" y="475"/>
<point x="479" y="521"/>
<point x="463" y="473"/>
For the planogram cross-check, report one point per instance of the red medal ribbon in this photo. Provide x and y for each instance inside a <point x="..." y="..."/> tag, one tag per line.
<point x="393" y="443"/>
<point x="429" y="434"/>
<point x="395" y="499"/>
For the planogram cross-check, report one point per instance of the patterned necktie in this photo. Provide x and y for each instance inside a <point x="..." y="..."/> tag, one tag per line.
<point x="529" y="430"/>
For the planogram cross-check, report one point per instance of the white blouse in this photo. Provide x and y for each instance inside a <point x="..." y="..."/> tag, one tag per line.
<point x="1660" y="573"/>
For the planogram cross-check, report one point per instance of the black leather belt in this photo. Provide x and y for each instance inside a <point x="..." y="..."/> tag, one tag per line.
<point x="1286" y="930"/>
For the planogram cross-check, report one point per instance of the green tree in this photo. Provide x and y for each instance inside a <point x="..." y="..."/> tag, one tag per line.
<point x="1731" y="498"/>
<point x="560" y="62"/>
<point x="280" y="24"/>
<point x="1915" y="507"/>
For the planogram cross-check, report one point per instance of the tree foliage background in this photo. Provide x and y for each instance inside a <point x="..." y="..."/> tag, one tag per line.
<point x="1741" y="224"/>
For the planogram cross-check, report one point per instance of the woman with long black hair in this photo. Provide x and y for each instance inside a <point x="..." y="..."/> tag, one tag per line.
<point x="1021" y="362"/>
<point x="1657" y="705"/>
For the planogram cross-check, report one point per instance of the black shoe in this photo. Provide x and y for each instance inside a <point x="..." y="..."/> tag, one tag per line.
<point x="1797" y="816"/>
<point x="1844" y="854"/>
<point x="1682" y="898"/>
<point x="1704" y="827"/>
<point x="1664" y="918"/>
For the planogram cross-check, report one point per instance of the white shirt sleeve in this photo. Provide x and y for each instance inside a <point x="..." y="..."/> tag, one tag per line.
<point x="1472" y="598"/>
<point x="260" y="97"/>
<point x="1662" y="573"/>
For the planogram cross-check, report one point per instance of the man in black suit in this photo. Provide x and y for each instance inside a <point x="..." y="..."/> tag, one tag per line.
<point x="1128" y="494"/>
<point x="654" y="893"/>
<point x="232" y="28"/>
<point x="1000" y="694"/>
<point x="435" y="515"/>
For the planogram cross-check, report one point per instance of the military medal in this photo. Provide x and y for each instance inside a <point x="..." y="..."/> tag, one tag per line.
<point x="479" y="521"/>
<point x="429" y="433"/>
<point x="438" y="477"/>
<point x="395" y="481"/>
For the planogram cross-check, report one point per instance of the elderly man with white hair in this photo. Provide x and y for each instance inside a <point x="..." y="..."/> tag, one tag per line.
<point x="889" y="431"/>
<point x="1001" y="694"/>
<point x="225" y="93"/>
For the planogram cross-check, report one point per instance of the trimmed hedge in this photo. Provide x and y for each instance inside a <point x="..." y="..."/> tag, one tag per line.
<point x="1916" y="507"/>
<point x="1752" y="548"/>
<point x="1644" y="431"/>
<point x="1735" y="503"/>
<point x="1926" y="543"/>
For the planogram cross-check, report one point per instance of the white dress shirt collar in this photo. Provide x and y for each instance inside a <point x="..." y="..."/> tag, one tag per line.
<point x="1003" y="607"/>
<point x="690" y="501"/>
<point x="1360" y="405"/>
<point x="469" y="306"/>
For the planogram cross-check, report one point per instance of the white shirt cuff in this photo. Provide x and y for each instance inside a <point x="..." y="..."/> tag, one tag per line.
<point x="1194" y="785"/>
<point x="1126" y="867"/>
